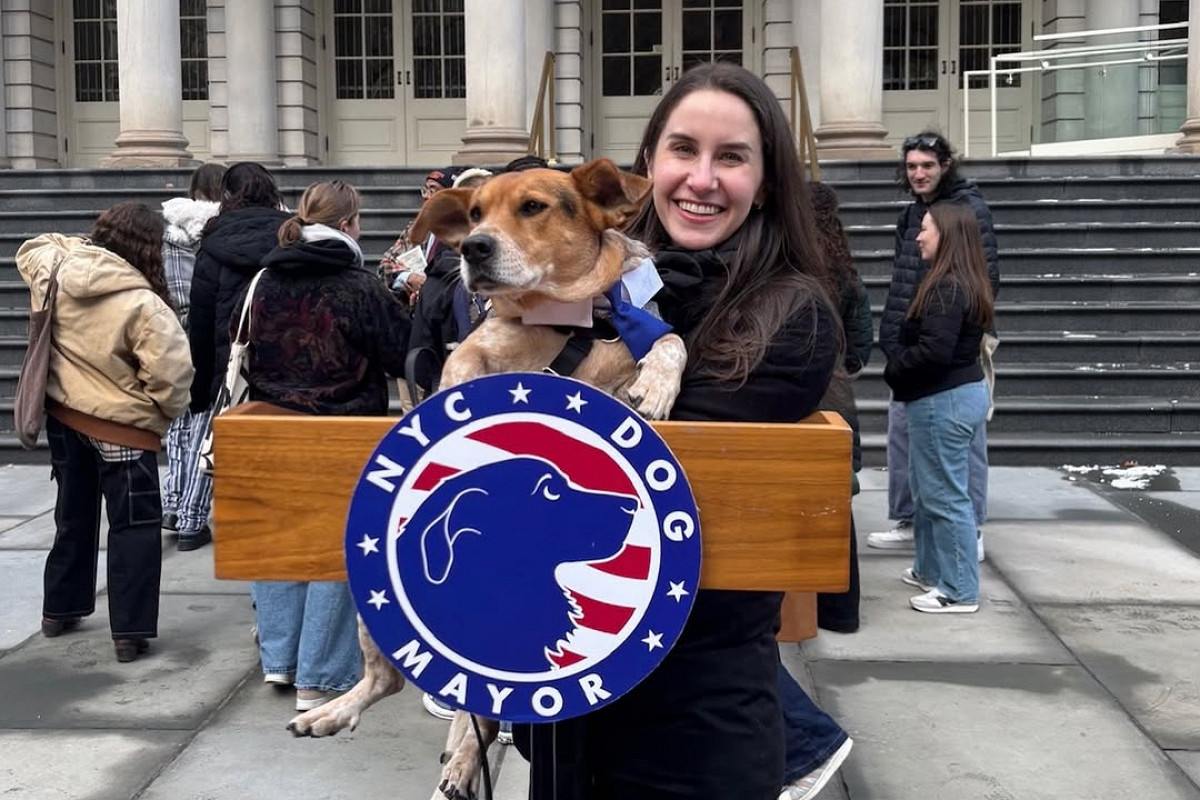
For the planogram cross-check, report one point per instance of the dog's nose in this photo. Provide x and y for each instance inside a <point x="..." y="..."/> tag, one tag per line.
<point x="478" y="249"/>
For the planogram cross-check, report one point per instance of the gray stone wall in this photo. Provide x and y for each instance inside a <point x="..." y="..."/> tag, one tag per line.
<point x="30" y="83"/>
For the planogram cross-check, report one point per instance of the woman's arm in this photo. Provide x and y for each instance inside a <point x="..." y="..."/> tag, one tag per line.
<point x="202" y="331"/>
<point x="941" y="324"/>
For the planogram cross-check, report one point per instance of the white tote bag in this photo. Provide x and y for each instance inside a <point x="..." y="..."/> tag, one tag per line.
<point x="235" y="389"/>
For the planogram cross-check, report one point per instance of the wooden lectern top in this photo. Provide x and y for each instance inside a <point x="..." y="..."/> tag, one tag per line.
<point x="774" y="499"/>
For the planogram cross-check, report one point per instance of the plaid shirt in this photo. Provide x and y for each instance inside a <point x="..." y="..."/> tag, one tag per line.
<point x="178" y="264"/>
<point x="115" y="453"/>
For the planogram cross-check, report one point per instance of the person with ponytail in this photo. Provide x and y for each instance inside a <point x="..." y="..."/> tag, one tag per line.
<point x="935" y="372"/>
<point x="119" y="373"/>
<point x="325" y="334"/>
<point x="233" y="242"/>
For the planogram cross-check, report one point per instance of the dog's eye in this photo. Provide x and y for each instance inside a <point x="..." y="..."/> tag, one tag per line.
<point x="549" y="495"/>
<point x="532" y="207"/>
<point x="476" y="214"/>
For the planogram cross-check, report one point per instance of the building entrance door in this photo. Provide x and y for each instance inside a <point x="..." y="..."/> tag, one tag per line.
<point x="398" y="82"/>
<point x="644" y="46"/>
<point x="928" y="45"/>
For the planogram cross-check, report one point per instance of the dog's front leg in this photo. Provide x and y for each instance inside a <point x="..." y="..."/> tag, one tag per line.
<point x="463" y="767"/>
<point x="379" y="680"/>
<point x="464" y="364"/>
<point x="659" y="375"/>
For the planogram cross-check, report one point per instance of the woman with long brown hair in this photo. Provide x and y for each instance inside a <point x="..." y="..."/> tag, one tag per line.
<point x="119" y="373"/>
<point x="936" y="373"/>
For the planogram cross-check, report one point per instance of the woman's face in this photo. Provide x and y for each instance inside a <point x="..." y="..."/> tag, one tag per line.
<point x="351" y="227"/>
<point x="928" y="238"/>
<point x="707" y="169"/>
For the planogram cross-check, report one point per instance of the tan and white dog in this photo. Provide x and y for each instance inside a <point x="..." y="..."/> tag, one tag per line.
<point x="527" y="239"/>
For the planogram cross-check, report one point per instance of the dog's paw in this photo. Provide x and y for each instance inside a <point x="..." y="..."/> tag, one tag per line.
<point x="325" y="720"/>
<point x="652" y="397"/>
<point x="460" y="777"/>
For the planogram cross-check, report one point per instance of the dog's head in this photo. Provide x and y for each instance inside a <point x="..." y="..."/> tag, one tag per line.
<point x="461" y="525"/>
<point x="538" y="231"/>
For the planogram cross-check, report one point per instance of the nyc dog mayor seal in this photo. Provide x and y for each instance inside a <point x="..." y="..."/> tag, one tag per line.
<point x="524" y="547"/>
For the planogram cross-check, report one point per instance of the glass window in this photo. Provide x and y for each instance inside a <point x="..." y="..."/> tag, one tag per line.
<point x="631" y="41"/>
<point x="193" y="48"/>
<point x="96" y="51"/>
<point x="712" y="31"/>
<point x="363" y="57"/>
<point x="988" y="28"/>
<point x="1172" y="73"/>
<point x="910" y="45"/>
<point x="439" y="42"/>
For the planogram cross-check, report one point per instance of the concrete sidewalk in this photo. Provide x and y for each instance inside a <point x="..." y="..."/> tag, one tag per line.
<point x="1079" y="677"/>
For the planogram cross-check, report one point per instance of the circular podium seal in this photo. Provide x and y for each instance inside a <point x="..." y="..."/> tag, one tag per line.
<point x="524" y="547"/>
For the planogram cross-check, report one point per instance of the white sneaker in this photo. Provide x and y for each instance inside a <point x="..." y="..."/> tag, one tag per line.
<point x="898" y="538"/>
<point x="807" y="787"/>
<point x="979" y="540"/>
<point x="910" y="577"/>
<point x="934" y="602"/>
<point x="278" y="678"/>
<point x="505" y="736"/>
<point x="436" y="708"/>
<point x="308" y="699"/>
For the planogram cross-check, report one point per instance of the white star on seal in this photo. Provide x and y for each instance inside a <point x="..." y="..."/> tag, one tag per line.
<point x="575" y="402"/>
<point x="368" y="544"/>
<point x="520" y="394"/>
<point x="677" y="591"/>
<point x="378" y="599"/>
<point x="653" y="640"/>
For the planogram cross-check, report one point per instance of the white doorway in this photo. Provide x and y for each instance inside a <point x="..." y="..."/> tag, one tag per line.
<point x="642" y="47"/>
<point x="929" y="44"/>
<point x="396" y="81"/>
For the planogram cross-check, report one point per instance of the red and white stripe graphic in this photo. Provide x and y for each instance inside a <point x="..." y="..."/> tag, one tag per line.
<point x="607" y="596"/>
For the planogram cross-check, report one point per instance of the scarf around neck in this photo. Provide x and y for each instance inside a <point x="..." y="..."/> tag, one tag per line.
<point x="318" y="232"/>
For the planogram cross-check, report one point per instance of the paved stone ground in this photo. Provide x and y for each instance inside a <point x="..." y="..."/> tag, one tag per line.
<point x="1078" y="679"/>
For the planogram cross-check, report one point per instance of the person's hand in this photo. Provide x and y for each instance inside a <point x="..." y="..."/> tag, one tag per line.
<point x="415" y="281"/>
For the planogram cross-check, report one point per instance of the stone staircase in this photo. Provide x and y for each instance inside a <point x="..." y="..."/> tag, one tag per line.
<point x="1101" y="283"/>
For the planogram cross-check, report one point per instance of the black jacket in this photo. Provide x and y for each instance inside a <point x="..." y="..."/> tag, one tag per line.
<point x="228" y="258"/>
<point x="908" y="268"/>
<point x="938" y="350"/>
<point x="326" y="332"/>
<point x="433" y="321"/>
<point x="707" y="722"/>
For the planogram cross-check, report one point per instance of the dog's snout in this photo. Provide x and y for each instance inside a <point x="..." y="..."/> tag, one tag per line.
<point x="478" y="248"/>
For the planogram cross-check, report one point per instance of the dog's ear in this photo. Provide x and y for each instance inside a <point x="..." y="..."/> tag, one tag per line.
<point x="445" y="214"/>
<point x="613" y="196"/>
<point x="440" y="536"/>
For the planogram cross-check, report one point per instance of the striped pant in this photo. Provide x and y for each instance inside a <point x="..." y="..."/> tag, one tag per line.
<point x="186" y="491"/>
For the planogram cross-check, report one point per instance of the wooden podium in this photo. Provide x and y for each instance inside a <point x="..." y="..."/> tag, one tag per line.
<point x="774" y="500"/>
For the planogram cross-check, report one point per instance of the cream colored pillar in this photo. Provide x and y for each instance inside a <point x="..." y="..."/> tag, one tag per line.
<point x="1111" y="93"/>
<point x="852" y="81"/>
<point x="250" y="62"/>
<point x="495" y="49"/>
<point x="1190" y="143"/>
<point x="151" y="87"/>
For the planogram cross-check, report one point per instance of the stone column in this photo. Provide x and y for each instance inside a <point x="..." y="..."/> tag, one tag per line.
<point x="851" y="73"/>
<point x="1190" y="143"/>
<point x="150" y="85"/>
<point x="1111" y="93"/>
<point x="4" y="162"/>
<point x="250" y="76"/>
<point x="495" y="49"/>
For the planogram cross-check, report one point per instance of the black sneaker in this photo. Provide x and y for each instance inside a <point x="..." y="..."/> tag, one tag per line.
<point x="194" y="540"/>
<point x="170" y="521"/>
<point x="57" y="627"/>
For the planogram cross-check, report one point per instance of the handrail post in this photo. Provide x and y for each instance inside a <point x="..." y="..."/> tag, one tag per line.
<point x="995" y="120"/>
<point x="806" y="141"/>
<point x="538" y="137"/>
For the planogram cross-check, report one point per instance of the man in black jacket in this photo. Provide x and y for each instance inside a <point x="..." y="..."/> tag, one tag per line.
<point x="930" y="172"/>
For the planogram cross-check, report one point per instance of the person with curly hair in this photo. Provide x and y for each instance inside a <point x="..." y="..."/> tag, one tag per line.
<point x="119" y="373"/>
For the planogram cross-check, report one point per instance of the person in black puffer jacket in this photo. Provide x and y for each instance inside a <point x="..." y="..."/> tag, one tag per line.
<point x="231" y="246"/>
<point x="326" y="333"/>
<point x="935" y="372"/>
<point x="930" y="172"/>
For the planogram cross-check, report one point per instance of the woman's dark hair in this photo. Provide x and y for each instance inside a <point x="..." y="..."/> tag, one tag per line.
<point x="832" y="238"/>
<point x="778" y="268"/>
<point x="206" y="182"/>
<point x="134" y="232"/>
<point x="247" y="184"/>
<point x="960" y="260"/>
<point x="326" y="203"/>
<point x="939" y="147"/>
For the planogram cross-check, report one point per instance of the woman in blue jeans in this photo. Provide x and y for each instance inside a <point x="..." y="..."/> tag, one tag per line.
<point x="936" y="373"/>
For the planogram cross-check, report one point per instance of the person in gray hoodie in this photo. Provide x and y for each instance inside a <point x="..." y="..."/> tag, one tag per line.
<point x="185" y="218"/>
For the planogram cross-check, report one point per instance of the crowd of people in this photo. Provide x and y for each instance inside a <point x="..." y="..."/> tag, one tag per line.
<point x="757" y="277"/>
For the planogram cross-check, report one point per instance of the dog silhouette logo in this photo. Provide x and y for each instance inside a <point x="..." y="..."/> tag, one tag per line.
<point x="524" y="547"/>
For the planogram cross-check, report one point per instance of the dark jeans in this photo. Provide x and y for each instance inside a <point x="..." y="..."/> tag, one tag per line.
<point x="131" y="496"/>
<point x="839" y="612"/>
<point x="810" y="735"/>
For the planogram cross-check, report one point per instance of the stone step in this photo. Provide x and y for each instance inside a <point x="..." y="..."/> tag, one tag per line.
<point x="386" y="221"/>
<point x="178" y="180"/>
<point x="1057" y="235"/>
<point x="1139" y="315"/>
<point x="1075" y="347"/>
<point x="1016" y="449"/>
<point x="374" y="242"/>
<point x="1056" y="168"/>
<point x="42" y="200"/>
<point x="1069" y="414"/>
<point x="1045" y="188"/>
<point x="1057" y="261"/>
<point x="1090" y="287"/>
<point x="1028" y="212"/>
<point x="1109" y="380"/>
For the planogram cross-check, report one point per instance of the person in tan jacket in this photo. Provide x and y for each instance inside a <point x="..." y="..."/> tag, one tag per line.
<point x="120" y="371"/>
